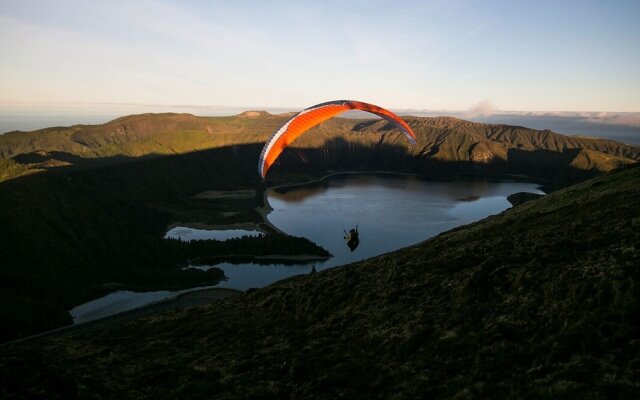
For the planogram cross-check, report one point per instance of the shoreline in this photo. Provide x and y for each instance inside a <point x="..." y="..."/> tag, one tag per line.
<point x="456" y="178"/>
<point x="266" y="208"/>
<point x="179" y="301"/>
<point x="265" y="226"/>
<point x="271" y="258"/>
<point x="246" y="226"/>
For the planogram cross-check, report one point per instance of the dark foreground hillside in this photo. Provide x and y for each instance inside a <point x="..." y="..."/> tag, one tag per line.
<point x="541" y="301"/>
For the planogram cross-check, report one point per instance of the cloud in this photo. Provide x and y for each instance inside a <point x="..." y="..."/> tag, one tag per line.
<point x="484" y="108"/>
<point x="631" y="119"/>
<point x="627" y="119"/>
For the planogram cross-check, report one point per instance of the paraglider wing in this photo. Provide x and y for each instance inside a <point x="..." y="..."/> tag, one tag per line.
<point x="312" y="116"/>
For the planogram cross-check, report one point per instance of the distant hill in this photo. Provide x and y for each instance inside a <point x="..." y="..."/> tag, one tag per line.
<point x="540" y="301"/>
<point x="444" y="139"/>
<point x="136" y="136"/>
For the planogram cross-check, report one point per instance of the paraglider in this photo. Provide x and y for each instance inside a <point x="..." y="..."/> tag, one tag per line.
<point x="352" y="238"/>
<point x="312" y="116"/>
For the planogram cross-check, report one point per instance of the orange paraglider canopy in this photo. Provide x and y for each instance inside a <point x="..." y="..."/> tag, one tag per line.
<point x="312" y="116"/>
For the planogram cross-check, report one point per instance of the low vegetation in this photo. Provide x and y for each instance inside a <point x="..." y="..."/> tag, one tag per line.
<point x="10" y="169"/>
<point x="261" y="245"/>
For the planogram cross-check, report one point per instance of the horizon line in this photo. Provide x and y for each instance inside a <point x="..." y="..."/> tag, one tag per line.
<point x="47" y="104"/>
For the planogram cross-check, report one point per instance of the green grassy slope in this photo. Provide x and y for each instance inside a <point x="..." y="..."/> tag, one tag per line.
<point x="9" y="169"/>
<point x="541" y="301"/>
<point x="142" y="134"/>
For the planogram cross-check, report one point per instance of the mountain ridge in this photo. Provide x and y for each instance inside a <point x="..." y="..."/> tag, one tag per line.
<point x="443" y="138"/>
<point x="512" y="306"/>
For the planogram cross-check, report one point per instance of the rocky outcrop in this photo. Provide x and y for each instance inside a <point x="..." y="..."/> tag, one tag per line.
<point x="522" y="197"/>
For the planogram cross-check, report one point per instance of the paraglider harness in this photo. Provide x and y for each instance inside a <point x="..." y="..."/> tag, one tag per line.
<point x="352" y="238"/>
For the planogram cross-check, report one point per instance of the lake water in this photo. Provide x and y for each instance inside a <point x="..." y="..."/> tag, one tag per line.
<point x="391" y="212"/>
<point x="120" y="301"/>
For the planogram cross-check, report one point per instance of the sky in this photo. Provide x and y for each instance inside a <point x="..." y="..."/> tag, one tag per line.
<point x="471" y="56"/>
